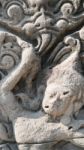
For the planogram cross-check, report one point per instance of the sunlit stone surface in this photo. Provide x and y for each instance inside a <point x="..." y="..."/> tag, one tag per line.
<point x="41" y="75"/>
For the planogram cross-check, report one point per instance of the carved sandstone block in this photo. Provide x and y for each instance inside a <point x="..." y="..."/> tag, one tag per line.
<point x="41" y="74"/>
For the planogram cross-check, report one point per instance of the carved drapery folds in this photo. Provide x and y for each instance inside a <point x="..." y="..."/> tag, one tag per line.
<point x="41" y="74"/>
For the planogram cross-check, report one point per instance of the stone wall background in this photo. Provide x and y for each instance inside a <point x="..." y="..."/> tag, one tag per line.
<point x="41" y="74"/>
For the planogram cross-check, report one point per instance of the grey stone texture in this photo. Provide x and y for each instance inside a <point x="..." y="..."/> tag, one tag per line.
<point x="41" y="75"/>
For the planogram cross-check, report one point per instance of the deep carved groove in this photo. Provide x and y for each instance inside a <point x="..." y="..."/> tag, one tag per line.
<point x="41" y="74"/>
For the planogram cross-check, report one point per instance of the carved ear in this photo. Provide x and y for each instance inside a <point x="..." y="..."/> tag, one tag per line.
<point x="75" y="59"/>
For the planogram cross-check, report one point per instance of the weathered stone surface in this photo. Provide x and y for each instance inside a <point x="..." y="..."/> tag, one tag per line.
<point x="41" y="74"/>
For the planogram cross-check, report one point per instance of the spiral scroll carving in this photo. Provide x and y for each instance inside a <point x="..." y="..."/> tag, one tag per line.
<point x="41" y="74"/>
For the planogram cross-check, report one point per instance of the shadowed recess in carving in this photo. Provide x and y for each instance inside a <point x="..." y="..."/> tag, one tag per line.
<point x="41" y="74"/>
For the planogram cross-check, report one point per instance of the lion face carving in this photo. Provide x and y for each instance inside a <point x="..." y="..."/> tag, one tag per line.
<point x="64" y="87"/>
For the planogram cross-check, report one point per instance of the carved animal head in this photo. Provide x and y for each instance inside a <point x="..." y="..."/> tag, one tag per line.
<point x="64" y="86"/>
<point x="40" y="21"/>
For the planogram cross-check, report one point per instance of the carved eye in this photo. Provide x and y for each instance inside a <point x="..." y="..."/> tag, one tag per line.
<point x="66" y="93"/>
<point x="15" y="12"/>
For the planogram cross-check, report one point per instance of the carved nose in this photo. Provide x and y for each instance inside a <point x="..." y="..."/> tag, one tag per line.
<point x="42" y="22"/>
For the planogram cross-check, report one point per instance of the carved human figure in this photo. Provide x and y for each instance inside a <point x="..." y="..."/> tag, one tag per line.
<point x="16" y="114"/>
<point x="8" y="84"/>
<point x="13" y="110"/>
<point x="9" y="57"/>
<point x="9" y="81"/>
<point x="22" y="119"/>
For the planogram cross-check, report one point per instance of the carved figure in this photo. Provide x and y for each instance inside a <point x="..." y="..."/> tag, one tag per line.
<point x="46" y="73"/>
<point x="8" y="84"/>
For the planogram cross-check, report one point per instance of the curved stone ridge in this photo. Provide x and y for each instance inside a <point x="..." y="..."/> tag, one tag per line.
<point x="41" y="74"/>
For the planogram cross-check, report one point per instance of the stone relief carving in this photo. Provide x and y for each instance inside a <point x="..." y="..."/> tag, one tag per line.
<point x="41" y="74"/>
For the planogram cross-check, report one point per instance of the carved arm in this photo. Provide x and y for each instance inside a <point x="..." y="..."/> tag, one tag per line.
<point x="25" y="65"/>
